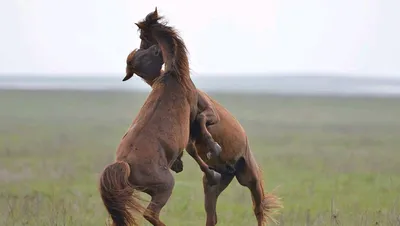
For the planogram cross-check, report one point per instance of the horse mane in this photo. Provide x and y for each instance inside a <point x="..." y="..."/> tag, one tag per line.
<point x="150" y="19"/>
<point x="172" y="46"/>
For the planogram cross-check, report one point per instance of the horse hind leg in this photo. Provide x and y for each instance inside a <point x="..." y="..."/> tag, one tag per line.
<point x="264" y="205"/>
<point x="160" y="194"/>
<point x="211" y="193"/>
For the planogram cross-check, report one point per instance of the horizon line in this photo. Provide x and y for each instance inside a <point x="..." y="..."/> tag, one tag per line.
<point x="210" y="74"/>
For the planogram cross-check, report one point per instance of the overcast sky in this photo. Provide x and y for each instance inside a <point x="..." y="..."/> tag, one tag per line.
<point x="255" y="36"/>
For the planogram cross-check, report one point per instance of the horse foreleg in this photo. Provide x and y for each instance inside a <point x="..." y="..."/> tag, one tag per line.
<point x="212" y="176"/>
<point x="206" y="118"/>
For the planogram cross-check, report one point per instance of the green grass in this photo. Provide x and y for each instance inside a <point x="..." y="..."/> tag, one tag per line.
<point x="329" y="156"/>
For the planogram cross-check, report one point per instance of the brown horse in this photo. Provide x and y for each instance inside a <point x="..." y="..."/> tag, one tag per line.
<point x="135" y="61"/>
<point x="205" y="118"/>
<point x="208" y="116"/>
<point x="155" y="139"/>
<point x="227" y="132"/>
<point x="235" y="148"/>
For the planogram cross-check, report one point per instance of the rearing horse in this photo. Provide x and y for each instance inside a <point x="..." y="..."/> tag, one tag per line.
<point x="235" y="149"/>
<point x="155" y="139"/>
<point x="205" y="118"/>
<point x="227" y="132"/>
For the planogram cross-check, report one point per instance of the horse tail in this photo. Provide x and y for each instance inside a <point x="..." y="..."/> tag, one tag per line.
<point x="270" y="203"/>
<point x="117" y="194"/>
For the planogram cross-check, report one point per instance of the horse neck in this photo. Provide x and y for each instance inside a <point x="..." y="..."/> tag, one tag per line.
<point x="156" y="78"/>
<point x="174" y="52"/>
<point x="149" y="82"/>
<point x="186" y="85"/>
<point x="180" y="66"/>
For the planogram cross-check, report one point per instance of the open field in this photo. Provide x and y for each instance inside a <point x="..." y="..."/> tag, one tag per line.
<point x="329" y="156"/>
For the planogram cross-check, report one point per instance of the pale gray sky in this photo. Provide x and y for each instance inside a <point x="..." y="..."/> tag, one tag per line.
<point x="272" y="36"/>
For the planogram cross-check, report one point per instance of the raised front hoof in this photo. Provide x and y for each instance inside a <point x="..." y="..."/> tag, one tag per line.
<point x="216" y="151"/>
<point x="213" y="177"/>
<point x="177" y="167"/>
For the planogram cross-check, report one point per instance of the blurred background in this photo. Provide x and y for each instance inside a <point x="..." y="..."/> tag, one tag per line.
<point x="315" y="84"/>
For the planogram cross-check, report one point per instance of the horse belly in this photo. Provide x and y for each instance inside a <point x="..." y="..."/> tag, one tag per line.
<point x="173" y="131"/>
<point x="144" y="145"/>
<point x="178" y="128"/>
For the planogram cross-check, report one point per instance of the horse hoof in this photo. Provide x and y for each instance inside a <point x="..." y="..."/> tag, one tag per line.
<point x="217" y="149"/>
<point x="213" y="178"/>
<point x="209" y="155"/>
<point x="215" y="153"/>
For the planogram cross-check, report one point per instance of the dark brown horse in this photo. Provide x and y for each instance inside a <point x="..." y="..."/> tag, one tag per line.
<point x="198" y="129"/>
<point x="227" y="132"/>
<point x="208" y="116"/>
<point x="205" y="118"/>
<point x="155" y="139"/>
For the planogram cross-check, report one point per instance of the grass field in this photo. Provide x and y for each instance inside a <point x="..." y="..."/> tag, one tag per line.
<point x="329" y="156"/>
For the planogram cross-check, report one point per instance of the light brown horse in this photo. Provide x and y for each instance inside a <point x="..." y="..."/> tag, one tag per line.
<point x="227" y="132"/>
<point x="155" y="139"/>
<point x="235" y="149"/>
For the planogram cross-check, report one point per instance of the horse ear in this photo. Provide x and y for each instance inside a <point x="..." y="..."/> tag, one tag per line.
<point x="139" y="25"/>
<point x="154" y="15"/>
<point x="129" y="74"/>
<point x="129" y="67"/>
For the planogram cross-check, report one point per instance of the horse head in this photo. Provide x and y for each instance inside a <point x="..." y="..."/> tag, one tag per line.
<point x="146" y="63"/>
<point x="144" y="26"/>
<point x="174" y="52"/>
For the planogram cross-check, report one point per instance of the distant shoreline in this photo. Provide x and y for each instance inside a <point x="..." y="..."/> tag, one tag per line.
<point x="340" y="85"/>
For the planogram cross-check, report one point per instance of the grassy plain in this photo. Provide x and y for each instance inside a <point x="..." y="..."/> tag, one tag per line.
<point x="329" y="156"/>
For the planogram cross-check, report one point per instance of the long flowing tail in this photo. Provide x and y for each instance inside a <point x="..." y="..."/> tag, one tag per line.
<point x="270" y="203"/>
<point x="117" y="194"/>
